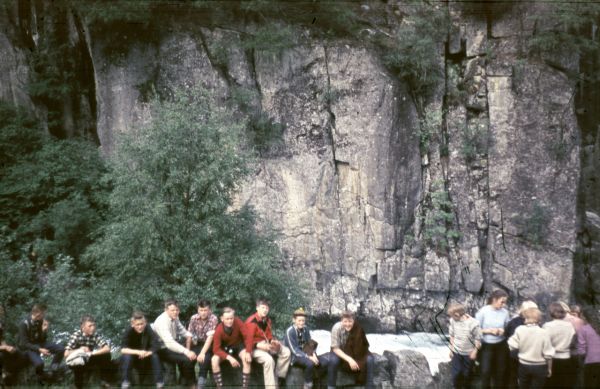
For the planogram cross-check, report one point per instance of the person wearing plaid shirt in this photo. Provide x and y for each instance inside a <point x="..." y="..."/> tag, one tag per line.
<point x="87" y="340"/>
<point x="202" y="326"/>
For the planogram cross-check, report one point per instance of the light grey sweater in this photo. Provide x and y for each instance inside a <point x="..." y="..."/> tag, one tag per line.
<point x="533" y="343"/>
<point x="561" y="335"/>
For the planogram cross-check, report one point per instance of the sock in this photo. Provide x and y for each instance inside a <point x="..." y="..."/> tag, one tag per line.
<point x="218" y="379"/>
<point x="245" y="380"/>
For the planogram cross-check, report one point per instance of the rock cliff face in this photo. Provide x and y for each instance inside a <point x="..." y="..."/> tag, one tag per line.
<point x="351" y="188"/>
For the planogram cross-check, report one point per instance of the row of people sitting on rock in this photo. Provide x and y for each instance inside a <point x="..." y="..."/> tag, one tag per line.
<point x="523" y="352"/>
<point x="207" y="342"/>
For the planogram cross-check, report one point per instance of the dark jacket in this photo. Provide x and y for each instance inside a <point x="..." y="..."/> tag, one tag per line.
<point x="147" y="340"/>
<point x="31" y="336"/>
<point x="294" y="343"/>
<point x="357" y="346"/>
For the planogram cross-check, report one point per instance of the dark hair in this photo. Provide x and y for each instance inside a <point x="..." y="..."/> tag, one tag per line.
<point x="86" y="319"/>
<point x="557" y="311"/>
<point x="138" y="315"/>
<point x="348" y="315"/>
<point x="37" y="308"/>
<point x="263" y="301"/>
<point x="495" y="295"/>
<point x="170" y="302"/>
<point x="203" y="303"/>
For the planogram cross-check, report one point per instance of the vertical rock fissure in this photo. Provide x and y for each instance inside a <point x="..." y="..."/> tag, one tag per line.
<point x="220" y="68"/>
<point x="483" y="233"/>
<point x="330" y="130"/>
<point x="88" y="77"/>
<point x="251" y="55"/>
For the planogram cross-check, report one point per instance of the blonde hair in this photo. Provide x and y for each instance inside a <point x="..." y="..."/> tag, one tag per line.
<point x="456" y="308"/>
<point x="526" y="305"/>
<point x="532" y="315"/>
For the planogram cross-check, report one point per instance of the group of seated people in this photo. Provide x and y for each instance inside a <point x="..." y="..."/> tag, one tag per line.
<point x="208" y="342"/>
<point x="524" y="351"/>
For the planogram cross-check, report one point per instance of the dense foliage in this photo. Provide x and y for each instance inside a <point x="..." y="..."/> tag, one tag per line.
<point x="51" y="199"/>
<point x="173" y="231"/>
<point x="166" y="227"/>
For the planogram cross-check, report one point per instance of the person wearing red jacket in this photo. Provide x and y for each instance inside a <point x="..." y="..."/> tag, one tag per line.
<point x="231" y="342"/>
<point x="258" y="327"/>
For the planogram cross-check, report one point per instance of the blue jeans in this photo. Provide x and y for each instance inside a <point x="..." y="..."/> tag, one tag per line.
<point x="152" y="362"/>
<point x="37" y="362"/>
<point x="334" y="364"/>
<point x="462" y="367"/>
<point x="309" y="366"/>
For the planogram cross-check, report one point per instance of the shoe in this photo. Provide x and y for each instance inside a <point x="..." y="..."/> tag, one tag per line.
<point x="160" y="385"/>
<point x="125" y="385"/>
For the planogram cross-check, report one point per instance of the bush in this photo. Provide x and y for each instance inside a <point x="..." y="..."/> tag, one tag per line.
<point x="438" y="231"/>
<point x="475" y="139"/>
<point x="535" y="227"/>
<point x="172" y="232"/>
<point x="271" y="38"/>
<point x="414" y="53"/>
<point x="51" y="200"/>
<point x="568" y="27"/>
<point x="430" y="126"/>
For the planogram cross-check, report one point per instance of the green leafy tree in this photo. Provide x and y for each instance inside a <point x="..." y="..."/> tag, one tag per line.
<point x="172" y="230"/>
<point x="51" y="200"/>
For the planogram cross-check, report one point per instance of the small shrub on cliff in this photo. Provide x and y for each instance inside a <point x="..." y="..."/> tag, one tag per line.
<point x="475" y="139"/>
<point x="414" y="53"/>
<point x="568" y="27"/>
<point x="535" y="226"/>
<point x="438" y="231"/>
<point x="430" y="126"/>
<point x="271" y="38"/>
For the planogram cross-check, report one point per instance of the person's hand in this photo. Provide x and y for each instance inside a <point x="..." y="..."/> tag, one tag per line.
<point x="314" y="359"/>
<point x="85" y="349"/>
<point x="145" y="354"/>
<point x="473" y="354"/>
<point x="248" y="357"/>
<point x="190" y="355"/>
<point x="274" y="346"/>
<point x="499" y="331"/>
<point x="201" y="357"/>
<point x="451" y="354"/>
<point x="233" y="361"/>
<point x="264" y="346"/>
<point x="44" y="351"/>
<point x="549" y="372"/>
<point x="45" y="325"/>
<point x="353" y="365"/>
<point x="11" y="349"/>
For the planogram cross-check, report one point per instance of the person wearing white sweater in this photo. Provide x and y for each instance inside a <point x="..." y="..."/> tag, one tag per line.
<point x="562" y="334"/>
<point x="535" y="351"/>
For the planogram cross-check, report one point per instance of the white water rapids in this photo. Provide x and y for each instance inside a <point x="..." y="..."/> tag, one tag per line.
<point x="433" y="346"/>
